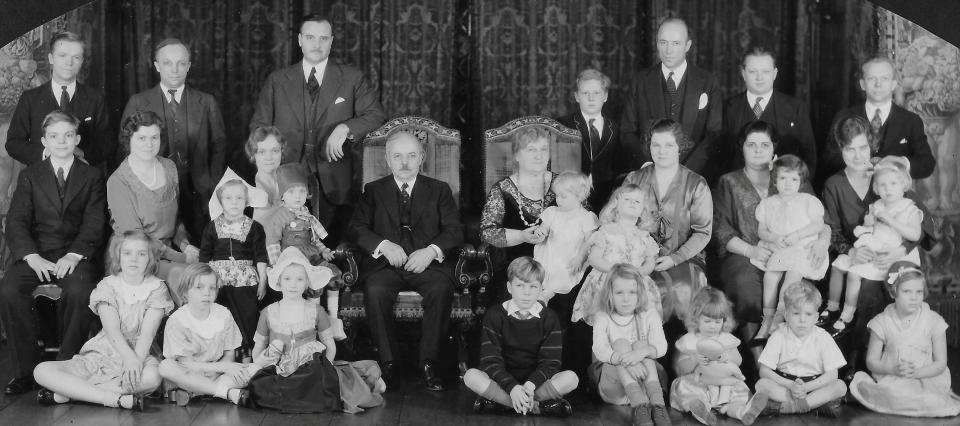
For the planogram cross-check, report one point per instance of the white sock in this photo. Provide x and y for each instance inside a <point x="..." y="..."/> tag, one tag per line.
<point x="223" y="391"/>
<point x="833" y="305"/>
<point x="60" y="399"/>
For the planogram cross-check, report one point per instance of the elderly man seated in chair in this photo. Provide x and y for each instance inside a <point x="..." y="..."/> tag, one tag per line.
<point x="407" y="224"/>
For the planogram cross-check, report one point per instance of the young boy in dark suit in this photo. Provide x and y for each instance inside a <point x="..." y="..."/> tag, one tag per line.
<point x="54" y="227"/>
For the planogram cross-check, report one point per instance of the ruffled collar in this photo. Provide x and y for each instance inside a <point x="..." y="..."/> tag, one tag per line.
<point x="133" y="294"/>
<point x="207" y="327"/>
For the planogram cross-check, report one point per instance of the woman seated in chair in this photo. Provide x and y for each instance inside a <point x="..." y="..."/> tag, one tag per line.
<point x="735" y="226"/>
<point x="142" y="195"/>
<point x="512" y="210"/>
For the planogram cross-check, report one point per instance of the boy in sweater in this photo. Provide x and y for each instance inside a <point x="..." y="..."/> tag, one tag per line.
<point x="520" y="354"/>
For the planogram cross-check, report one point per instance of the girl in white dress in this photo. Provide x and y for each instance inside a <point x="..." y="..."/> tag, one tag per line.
<point x="566" y="226"/>
<point x="200" y="342"/>
<point x="118" y="365"/>
<point x="788" y="221"/>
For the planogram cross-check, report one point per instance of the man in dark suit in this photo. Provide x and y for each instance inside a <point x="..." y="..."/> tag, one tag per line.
<point x="98" y="144"/>
<point x="194" y="136"/>
<point x="407" y="224"/>
<point x="601" y="154"/>
<point x="318" y="104"/>
<point x="54" y="227"/>
<point x="899" y="132"/>
<point x="677" y="90"/>
<point x="788" y="114"/>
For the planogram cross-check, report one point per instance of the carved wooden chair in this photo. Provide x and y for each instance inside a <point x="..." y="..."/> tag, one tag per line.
<point x="441" y="161"/>
<point x="498" y="163"/>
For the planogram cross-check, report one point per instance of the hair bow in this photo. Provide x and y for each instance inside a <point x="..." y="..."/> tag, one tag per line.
<point x="895" y="275"/>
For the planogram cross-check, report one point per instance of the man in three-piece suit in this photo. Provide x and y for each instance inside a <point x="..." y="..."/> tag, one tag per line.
<point x="319" y="104"/>
<point x="63" y="92"/>
<point x="601" y="154"/>
<point x="899" y="132"/>
<point x="193" y="137"/>
<point x="408" y="226"/>
<point x="679" y="91"/>
<point x="761" y="102"/>
<point x="54" y="228"/>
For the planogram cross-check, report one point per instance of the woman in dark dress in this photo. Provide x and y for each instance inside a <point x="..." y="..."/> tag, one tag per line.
<point x="512" y="210"/>
<point x="735" y="227"/>
<point x="846" y="197"/>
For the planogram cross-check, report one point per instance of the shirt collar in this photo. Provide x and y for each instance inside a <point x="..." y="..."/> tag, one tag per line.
<point x="598" y="119"/>
<point x="752" y="99"/>
<point x="66" y="165"/>
<point x="166" y="92"/>
<point x="409" y="183"/>
<point x="677" y="73"/>
<point x="71" y="89"/>
<point x="512" y="309"/>
<point x="321" y="67"/>
<point x="885" y="108"/>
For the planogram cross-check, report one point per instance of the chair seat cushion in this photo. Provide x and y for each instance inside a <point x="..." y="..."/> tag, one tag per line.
<point x="407" y="308"/>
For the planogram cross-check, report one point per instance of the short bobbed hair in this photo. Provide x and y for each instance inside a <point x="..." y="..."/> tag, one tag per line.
<point x="893" y="165"/>
<point x="711" y="303"/>
<point x="191" y="276"/>
<point x="903" y="271"/>
<point x="259" y="135"/>
<point x="848" y="128"/>
<point x="116" y="244"/>
<point x="134" y="123"/>
<point x="604" y="300"/>
<point x="790" y="163"/>
<point x="573" y="182"/>
<point x="759" y="127"/>
<point x="672" y="127"/>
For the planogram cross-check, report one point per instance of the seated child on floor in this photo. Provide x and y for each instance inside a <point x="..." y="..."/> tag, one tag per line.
<point x="521" y="349"/>
<point x="798" y="366"/>
<point x="295" y="349"/>
<point x="200" y="341"/>
<point x="709" y="364"/>
<point x="627" y="338"/>
<point x="907" y="354"/>
<point x="118" y="365"/>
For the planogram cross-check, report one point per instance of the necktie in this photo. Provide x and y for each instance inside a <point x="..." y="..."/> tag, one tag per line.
<point x="61" y="181"/>
<point x="757" y="109"/>
<point x="174" y="105"/>
<point x="877" y="121"/>
<point x="404" y="195"/>
<point x="313" y="86"/>
<point x="594" y="136"/>
<point x="64" y="98"/>
<point x="672" y="90"/>
<point x="524" y="315"/>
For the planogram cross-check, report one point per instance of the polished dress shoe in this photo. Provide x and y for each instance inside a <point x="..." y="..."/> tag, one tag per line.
<point x="20" y="385"/>
<point x="45" y="397"/>
<point x="430" y="379"/>
<point x="555" y="408"/>
<point x="839" y="333"/>
<point x="485" y="406"/>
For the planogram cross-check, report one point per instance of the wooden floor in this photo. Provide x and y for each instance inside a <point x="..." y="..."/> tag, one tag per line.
<point x="405" y="405"/>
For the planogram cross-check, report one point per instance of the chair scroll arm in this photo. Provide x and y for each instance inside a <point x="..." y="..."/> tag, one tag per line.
<point x="345" y="257"/>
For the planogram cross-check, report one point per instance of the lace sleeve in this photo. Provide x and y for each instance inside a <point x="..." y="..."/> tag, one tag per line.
<point x="491" y="220"/>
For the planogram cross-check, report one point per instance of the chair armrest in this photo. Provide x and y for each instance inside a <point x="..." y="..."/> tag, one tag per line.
<point x="345" y="256"/>
<point x="478" y="274"/>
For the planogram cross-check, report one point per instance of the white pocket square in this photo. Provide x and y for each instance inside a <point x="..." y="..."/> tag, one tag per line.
<point x="703" y="101"/>
<point x="903" y="141"/>
<point x="339" y="99"/>
<point x="88" y="119"/>
<point x="791" y="124"/>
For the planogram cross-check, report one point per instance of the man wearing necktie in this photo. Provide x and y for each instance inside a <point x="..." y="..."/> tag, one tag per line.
<point x="677" y="90"/>
<point x="63" y="92"/>
<point x="898" y="131"/>
<point x="193" y="136"/>
<point x="319" y="104"/>
<point x="602" y="155"/>
<point x="789" y="115"/>
<point x="408" y="226"/>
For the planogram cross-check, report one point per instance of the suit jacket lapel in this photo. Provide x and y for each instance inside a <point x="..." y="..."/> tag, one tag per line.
<point x="418" y="200"/>
<point x="74" y="183"/>
<point x="606" y="137"/>
<point x="584" y="136"/>
<point x="48" y="185"/>
<point x="328" y="89"/>
<point x="390" y="196"/>
<point x="691" y="99"/>
<point x="294" y="90"/>
<point x="653" y="86"/>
